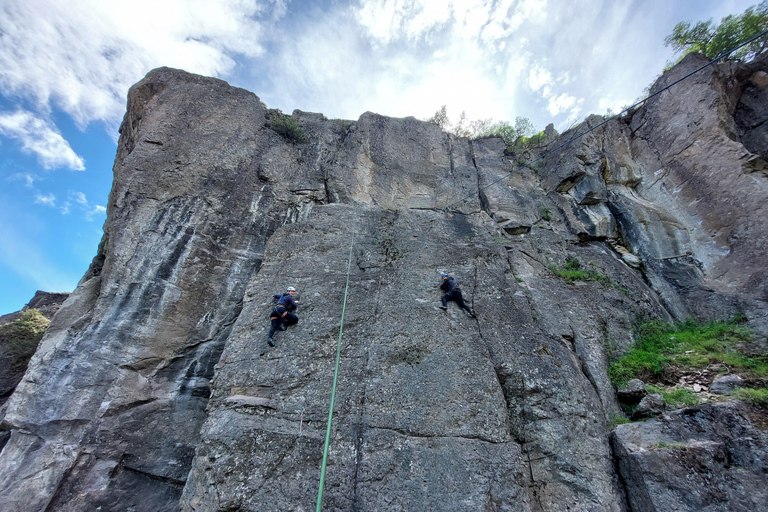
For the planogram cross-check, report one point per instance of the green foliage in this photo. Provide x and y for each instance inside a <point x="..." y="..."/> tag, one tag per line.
<point x="522" y="134"/>
<point x="572" y="271"/>
<point x="20" y="337"/>
<point x="662" y="444"/>
<point x="732" y="31"/>
<point x="689" y="344"/>
<point x="682" y="397"/>
<point x="440" y="118"/>
<point x="619" y="419"/>
<point x="546" y="215"/>
<point x="754" y="396"/>
<point x="285" y="126"/>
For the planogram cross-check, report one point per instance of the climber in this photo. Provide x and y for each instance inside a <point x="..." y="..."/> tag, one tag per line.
<point x="453" y="293"/>
<point x="282" y="315"/>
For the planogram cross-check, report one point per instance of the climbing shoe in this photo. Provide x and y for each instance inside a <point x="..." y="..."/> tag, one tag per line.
<point x="270" y="342"/>
<point x="444" y="308"/>
<point x="283" y="327"/>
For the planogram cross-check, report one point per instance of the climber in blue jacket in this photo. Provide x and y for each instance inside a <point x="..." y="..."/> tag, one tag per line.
<point x="283" y="316"/>
<point x="453" y="293"/>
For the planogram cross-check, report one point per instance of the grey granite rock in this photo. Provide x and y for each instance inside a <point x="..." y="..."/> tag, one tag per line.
<point x="155" y="389"/>
<point x="709" y="457"/>
<point x="649" y="406"/>
<point x="725" y="384"/>
<point x="632" y="393"/>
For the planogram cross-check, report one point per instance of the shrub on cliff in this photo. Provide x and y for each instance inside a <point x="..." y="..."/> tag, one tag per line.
<point x="285" y="126"/>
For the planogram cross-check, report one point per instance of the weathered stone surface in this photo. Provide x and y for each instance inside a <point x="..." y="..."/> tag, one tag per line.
<point x="725" y="384"/>
<point x="18" y="344"/>
<point x="155" y="385"/>
<point x="700" y="458"/>
<point x="632" y="393"/>
<point x="650" y="405"/>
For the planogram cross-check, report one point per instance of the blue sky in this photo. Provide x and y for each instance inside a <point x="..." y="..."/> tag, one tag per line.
<point x="66" y="66"/>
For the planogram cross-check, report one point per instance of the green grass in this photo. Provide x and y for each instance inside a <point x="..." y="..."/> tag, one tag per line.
<point x="754" y="396"/>
<point x="286" y="127"/>
<point x="572" y="271"/>
<point x="618" y="419"/>
<point x="682" y="397"/>
<point x="662" y="444"/>
<point x="689" y="344"/>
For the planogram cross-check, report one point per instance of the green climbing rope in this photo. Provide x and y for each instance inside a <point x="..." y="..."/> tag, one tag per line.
<point x="333" y="389"/>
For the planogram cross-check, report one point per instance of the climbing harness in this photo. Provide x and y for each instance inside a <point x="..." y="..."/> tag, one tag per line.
<point x="528" y="164"/>
<point x="333" y="389"/>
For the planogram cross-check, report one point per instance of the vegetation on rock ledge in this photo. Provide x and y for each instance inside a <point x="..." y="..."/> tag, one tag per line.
<point x="687" y="345"/>
<point x="285" y="126"/>
<point x="20" y="337"/>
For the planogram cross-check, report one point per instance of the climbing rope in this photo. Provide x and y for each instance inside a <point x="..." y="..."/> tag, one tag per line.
<point x="528" y="164"/>
<point x="333" y="389"/>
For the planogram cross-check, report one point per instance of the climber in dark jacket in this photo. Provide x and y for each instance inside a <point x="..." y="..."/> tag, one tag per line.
<point x="452" y="293"/>
<point x="282" y="316"/>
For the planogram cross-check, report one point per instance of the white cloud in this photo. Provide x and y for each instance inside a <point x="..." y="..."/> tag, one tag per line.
<point x="78" y="197"/>
<point x="81" y="201"/>
<point x="27" y="178"/>
<point x="41" y="138"/>
<point x="560" y="103"/>
<point x="45" y="199"/>
<point x="96" y="210"/>
<point x="83" y="55"/>
<point x="538" y="78"/>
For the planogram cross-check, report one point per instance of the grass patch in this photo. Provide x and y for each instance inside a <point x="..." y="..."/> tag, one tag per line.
<point x="682" y="397"/>
<point x="285" y="126"/>
<point x="689" y="344"/>
<point x="754" y="396"/>
<point x="572" y="271"/>
<point x="618" y="419"/>
<point x="662" y="444"/>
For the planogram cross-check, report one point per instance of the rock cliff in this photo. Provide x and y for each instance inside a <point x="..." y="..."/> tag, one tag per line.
<point x="154" y="387"/>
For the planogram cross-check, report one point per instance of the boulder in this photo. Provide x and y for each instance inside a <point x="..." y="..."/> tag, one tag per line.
<point x="632" y="393"/>
<point x="709" y="457"/>
<point x="650" y="405"/>
<point x="726" y="384"/>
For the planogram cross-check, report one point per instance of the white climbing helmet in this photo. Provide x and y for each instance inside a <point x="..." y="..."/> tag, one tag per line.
<point x="290" y="289"/>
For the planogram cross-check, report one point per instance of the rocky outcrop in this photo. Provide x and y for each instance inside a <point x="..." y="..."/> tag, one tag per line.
<point x="698" y="458"/>
<point x="19" y="335"/>
<point x="154" y="387"/>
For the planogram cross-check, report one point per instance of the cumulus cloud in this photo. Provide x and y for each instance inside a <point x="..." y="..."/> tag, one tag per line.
<point x="90" y="210"/>
<point x="81" y="56"/>
<point x="40" y="138"/>
<point x="25" y="177"/>
<point x="561" y="103"/>
<point x="45" y="199"/>
<point x="97" y="210"/>
<point x="538" y="78"/>
<point x="79" y="197"/>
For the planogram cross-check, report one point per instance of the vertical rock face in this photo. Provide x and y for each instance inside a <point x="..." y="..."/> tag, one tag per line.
<point x="154" y="387"/>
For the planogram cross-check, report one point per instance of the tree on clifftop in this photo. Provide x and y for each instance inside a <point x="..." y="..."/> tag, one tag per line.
<point x="732" y="31"/>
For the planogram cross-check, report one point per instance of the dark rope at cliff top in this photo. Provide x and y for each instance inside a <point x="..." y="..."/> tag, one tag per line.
<point x="319" y="504"/>
<point x="528" y="164"/>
